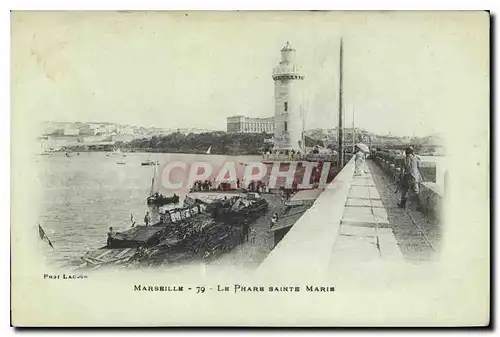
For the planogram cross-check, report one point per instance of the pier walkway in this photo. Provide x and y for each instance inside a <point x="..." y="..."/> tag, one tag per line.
<point x="364" y="231"/>
<point x="373" y="228"/>
<point x="355" y="221"/>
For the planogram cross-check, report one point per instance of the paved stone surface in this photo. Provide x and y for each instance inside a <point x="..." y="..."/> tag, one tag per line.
<point x="359" y="214"/>
<point x="363" y="191"/>
<point x="374" y="229"/>
<point x="417" y="237"/>
<point x="361" y="231"/>
<point x="364" y="202"/>
<point x="365" y="232"/>
<point x="354" y="249"/>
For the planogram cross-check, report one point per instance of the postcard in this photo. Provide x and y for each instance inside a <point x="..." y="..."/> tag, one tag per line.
<point x="305" y="168"/>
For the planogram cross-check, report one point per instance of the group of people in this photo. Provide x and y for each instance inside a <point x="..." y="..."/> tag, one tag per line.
<point x="112" y="233"/>
<point x="286" y="193"/>
<point x="258" y="187"/>
<point x="147" y="219"/>
<point x="290" y="154"/>
<point x="203" y="185"/>
<point x="210" y="185"/>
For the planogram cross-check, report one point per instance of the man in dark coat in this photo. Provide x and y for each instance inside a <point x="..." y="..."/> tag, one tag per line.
<point x="410" y="177"/>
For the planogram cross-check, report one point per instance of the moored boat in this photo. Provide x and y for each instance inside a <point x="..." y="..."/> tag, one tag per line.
<point x="203" y="230"/>
<point x="203" y="227"/>
<point x="104" y="256"/>
<point x="149" y="162"/>
<point x="159" y="199"/>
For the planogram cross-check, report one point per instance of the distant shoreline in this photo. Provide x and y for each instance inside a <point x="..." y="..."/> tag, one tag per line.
<point x="146" y="151"/>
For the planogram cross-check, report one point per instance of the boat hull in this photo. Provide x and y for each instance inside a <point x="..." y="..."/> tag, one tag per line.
<point x="215" y="228"/>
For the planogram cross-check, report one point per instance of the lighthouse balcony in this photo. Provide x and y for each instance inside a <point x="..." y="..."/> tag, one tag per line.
<point x="287" y="72"/>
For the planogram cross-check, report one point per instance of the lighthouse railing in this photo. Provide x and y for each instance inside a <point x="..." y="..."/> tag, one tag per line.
<point x="286" y="69"/>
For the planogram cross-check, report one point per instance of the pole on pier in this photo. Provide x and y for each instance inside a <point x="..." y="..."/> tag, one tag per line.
<point x="353" y="132"/>
<point x="341" y="133"/>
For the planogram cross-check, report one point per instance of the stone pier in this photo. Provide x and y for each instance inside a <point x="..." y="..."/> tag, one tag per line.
<point x="354" y="222"/>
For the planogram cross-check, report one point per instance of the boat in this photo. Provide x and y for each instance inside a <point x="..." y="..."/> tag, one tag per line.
<point x="121" y="162"/>
<point x="155" y="198"/>
<point x="104" y="256"/>
<point x="159" y="200"/>
<point x="203" y="228"/>
<point x="46" y="151"/>
<point x="149" y="162"/>
<point x="209" y="150"/>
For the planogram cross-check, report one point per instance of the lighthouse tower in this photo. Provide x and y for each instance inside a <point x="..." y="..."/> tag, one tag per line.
<point x="287" y="117"/>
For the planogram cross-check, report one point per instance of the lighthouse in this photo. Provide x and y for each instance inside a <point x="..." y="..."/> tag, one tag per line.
<point x="287" y="110"/>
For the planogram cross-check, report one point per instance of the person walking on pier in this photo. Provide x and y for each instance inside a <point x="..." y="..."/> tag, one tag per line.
<point x="410" y="177"/>
<point x="359" y="162"/>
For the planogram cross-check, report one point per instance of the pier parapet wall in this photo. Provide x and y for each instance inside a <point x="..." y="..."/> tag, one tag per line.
<point x="431" y="198"/>
<point x="307" y="248"/>
<point x="431" y="194"/>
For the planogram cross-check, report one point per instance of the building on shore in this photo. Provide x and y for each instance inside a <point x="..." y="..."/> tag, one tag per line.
<point x="70" y="130"/>
<point x="87" y="130"/>
<point x="242" y="124"/>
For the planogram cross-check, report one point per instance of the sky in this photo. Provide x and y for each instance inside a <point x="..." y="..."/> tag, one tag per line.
<point x="403" y="72"/>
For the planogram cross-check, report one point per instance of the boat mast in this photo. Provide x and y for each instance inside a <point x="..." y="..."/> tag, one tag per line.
<point x="341" y="134"/>
<point x="353" y="132"/>
<point x="153" y="180"/>
<point x="303" y="111"/>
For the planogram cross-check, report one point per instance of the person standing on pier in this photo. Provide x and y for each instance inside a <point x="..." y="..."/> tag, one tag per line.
<point x="359" y="162"/>
<point x="246" y="229"/>
<point x="111" y="233"/>
<point x="274" y="220"/>
<point x="410" y="178"/>
<point x="147" y="218"/>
